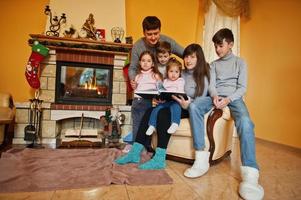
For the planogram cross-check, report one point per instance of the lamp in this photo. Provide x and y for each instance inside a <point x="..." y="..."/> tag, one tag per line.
<point x="117" y="34"/>
<point x="55" y="23"/>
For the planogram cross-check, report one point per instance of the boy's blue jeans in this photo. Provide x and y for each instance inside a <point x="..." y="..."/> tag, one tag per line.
<point x="175" y="112"/>
<point x="245" y="127"/>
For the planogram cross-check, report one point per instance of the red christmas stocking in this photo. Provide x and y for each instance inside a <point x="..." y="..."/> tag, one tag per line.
<point x="32" y="72"/>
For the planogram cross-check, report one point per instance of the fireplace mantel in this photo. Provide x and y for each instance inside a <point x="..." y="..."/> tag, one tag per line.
<point x="83" y="45"/>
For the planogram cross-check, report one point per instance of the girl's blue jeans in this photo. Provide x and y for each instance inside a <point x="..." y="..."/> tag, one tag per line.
<point x="175" y="113"/>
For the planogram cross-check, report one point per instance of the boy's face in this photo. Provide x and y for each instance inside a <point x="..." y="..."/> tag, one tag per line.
<point x="223" y="49"/>
<point x="152" y="36"/>
<point x="173" y="73"/>
<point x="163" y="58"/>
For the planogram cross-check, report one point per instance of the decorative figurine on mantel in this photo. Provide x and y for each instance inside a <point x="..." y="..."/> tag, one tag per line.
<point x="100" y="34"/>
<point x="89" y="28"/>
<point x="69" y="31"/>
<point x="112" y="121"/>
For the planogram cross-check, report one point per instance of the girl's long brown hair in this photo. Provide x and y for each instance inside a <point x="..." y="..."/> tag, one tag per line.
<point x="155" y="67"/>
<point x="201" y="69"/>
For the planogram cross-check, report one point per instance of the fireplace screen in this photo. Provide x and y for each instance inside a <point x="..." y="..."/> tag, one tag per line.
<point x="82" y="83"/>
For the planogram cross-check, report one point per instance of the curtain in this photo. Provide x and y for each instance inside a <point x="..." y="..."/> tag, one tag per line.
<point x="231" y="8"/>
<point x="216" y="19"/>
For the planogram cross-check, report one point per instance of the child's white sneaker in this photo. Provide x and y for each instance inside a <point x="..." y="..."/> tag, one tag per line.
<point x="173" y="128"/>
<point x="150" y="130"/>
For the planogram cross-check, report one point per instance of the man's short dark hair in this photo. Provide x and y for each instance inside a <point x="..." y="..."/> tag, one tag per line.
<point x="222" y="34"/>
<point x="151" y="23"/>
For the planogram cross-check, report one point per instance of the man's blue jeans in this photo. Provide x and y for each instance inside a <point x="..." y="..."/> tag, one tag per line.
<point x="175" y="112"/>
<point x="245" y="127"/>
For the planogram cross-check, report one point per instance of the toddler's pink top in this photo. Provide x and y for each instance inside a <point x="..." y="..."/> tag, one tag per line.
<point x="146" y="81"/>
<point x="174" y="86"/>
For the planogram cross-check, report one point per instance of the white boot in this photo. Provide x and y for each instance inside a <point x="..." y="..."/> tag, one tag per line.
<point x="249" y="188"/>
<point x="200" y="165"/>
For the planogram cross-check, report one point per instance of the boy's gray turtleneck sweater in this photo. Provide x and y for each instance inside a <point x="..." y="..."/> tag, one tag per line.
<point x="228" y="77"/>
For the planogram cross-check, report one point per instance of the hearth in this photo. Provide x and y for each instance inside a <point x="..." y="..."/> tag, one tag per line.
<point x="83" y="83"/>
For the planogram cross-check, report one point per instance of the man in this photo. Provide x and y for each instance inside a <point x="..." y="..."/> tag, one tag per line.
<point x="151" y="30"/>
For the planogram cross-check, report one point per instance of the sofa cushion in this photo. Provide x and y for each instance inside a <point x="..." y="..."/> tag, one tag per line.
<point x="184" y="128"/>
<point x="181" y="142"/>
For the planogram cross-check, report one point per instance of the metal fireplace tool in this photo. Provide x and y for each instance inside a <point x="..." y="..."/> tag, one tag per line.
<point x="32" y="132"/>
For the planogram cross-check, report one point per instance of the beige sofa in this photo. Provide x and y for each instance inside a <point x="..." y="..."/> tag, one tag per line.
<point x="7" y="114"/>
<point x="218" y="138"/>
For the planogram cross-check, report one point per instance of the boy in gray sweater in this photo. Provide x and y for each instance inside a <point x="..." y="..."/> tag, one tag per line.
<point x="228" y="83"/>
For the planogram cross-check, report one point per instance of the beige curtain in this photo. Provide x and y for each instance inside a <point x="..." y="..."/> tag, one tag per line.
<point x="215" y="19"/>
<point x="231" y="8"/>
<point x="223" y="14"/>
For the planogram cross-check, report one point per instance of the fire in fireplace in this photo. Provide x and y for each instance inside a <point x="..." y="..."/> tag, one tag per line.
<point x="83" y="83"/>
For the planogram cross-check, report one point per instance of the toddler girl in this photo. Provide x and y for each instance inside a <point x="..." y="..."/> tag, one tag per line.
<point x="173" y="83"/>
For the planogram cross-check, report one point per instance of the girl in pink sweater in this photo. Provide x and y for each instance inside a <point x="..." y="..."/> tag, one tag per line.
<point x="146" y="79"/>
<point x="173" y="83"/>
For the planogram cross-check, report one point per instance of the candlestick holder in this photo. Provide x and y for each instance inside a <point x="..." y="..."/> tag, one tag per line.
<point x="55" y="23"/>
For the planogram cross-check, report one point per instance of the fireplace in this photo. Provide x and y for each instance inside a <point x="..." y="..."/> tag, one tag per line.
<point x="83" y="83"/>
<point x="72" y="66"/>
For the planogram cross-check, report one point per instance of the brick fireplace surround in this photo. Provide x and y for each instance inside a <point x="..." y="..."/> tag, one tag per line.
<point x="54" y="115"/>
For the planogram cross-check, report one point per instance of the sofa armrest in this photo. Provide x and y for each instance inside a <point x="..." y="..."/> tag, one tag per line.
<point x="214" y="115"/>
<point x="7" y="108"/>
<point x="7" y="118"/>
<point x="6" y="100"/>
<point x="6" y="115"/>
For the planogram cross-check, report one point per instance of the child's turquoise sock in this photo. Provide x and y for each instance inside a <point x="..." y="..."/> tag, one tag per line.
<point x="133" y="156"/>
<point x="157" y="162"/>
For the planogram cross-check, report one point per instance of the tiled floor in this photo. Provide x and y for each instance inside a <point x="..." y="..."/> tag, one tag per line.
<point x="280" y="177"/>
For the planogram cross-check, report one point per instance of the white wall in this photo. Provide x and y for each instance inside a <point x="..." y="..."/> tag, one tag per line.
<point x="107" y="13"/>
